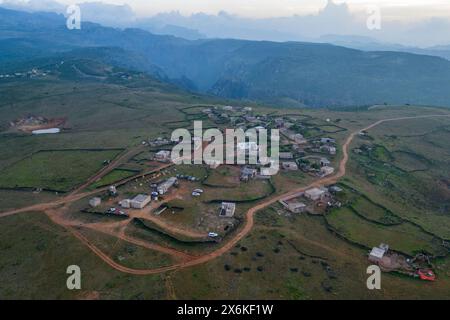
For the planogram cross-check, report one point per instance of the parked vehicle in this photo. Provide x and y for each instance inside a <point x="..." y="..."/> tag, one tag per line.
<point x="426" y="275"/>
<point x="213" y="235"/>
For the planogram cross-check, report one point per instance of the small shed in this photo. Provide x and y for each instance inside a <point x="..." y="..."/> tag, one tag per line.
<point x="95" y="202"/>
<point x="227" y="210"/>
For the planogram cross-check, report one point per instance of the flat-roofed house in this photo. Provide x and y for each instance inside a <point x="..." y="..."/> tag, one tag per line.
<point x="326" y="171"/>
<point x="163" y="156"/>
<point x="327" y="140"/>
<point x="315" y="194"/>
<point x="227" y="210"/>
<point x="164" y="187"/>
<point x="290" y="166"/>
<point x="329" y="149"/>
<point x="297" y="207"/>
<point x="126" y="203"/>
<point x="95" y="202"/>
<point x="377" y="254"/>
<point x="298" y="138"/>
<point x="140" y="201"/>
<point x="247" y="146"/>
<point x="286" y="155"/>
<point x="324" y="162"/>
<point x="279" y="122"/>
<point x="248" y="173"/>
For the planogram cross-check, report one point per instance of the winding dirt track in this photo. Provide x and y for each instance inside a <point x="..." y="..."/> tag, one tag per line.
<point x="128" y="154"/>
<point x="249" y="222"/>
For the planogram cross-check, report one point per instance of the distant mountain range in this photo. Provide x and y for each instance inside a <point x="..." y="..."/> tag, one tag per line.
<point x="284" y="74"/>
<point x="370" y="44"/>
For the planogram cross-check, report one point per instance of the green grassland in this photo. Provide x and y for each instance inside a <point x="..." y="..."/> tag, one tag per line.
<point x="55" y="170"/>
<point x="297" y="257"/>
<point x="139" y="231"/>
<point x="11" y="199"/>
<point x="35" y="258"/>
<point x="113" y="177"/>
<point x="127" y="254"/>
<point x="245" y="192"/>
<point x="404" y="238"/>
<point x="406" y="177"/>
<point x="374" y="212"/>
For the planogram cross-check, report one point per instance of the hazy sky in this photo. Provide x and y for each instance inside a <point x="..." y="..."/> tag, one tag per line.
<point x="392" y="9"/>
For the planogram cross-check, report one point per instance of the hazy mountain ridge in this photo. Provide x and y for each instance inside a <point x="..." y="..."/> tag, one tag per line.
<point x="291" y="72"/>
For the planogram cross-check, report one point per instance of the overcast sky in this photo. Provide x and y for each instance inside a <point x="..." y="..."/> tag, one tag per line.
<point x="392" y="9"/>
<point x="422" y="23"/>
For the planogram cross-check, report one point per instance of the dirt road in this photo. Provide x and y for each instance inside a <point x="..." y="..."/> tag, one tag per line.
<point x="73" y="197"/>
<point x="249" y="222"/>
<point x="123" y="158"/>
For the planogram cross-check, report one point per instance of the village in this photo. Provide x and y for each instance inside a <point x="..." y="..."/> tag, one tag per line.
<point x="163" y="197"/>
<point x="30" y="74"/>
<point x="313" y="157"/>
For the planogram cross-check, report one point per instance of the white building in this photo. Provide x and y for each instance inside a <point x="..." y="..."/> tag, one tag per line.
<point x="298" y="138"/>
<point x="247" y="146"/>
<point x="327" y="140"/>
<point x="163" y="156"/>
<point x="297" y="207"/>
<point x="227" y="210"/>
<point x="126" y="203"/>
<point x="46" y="131"/>
<point x="95" y="202"/>
<point x="164" y="187"/>
<point x="286" y="155"/>
<point x="329" y="149"/>
<point x="324" y="162"/>
<point x="377" y="254"/>
<point x="248" y="173"/>
<point x="140" y="201"/>
<point x="289" y="166"/>
<point x="335" y="189"/>
<point x="315" y="194"/>
<point x="326" y="171"/>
